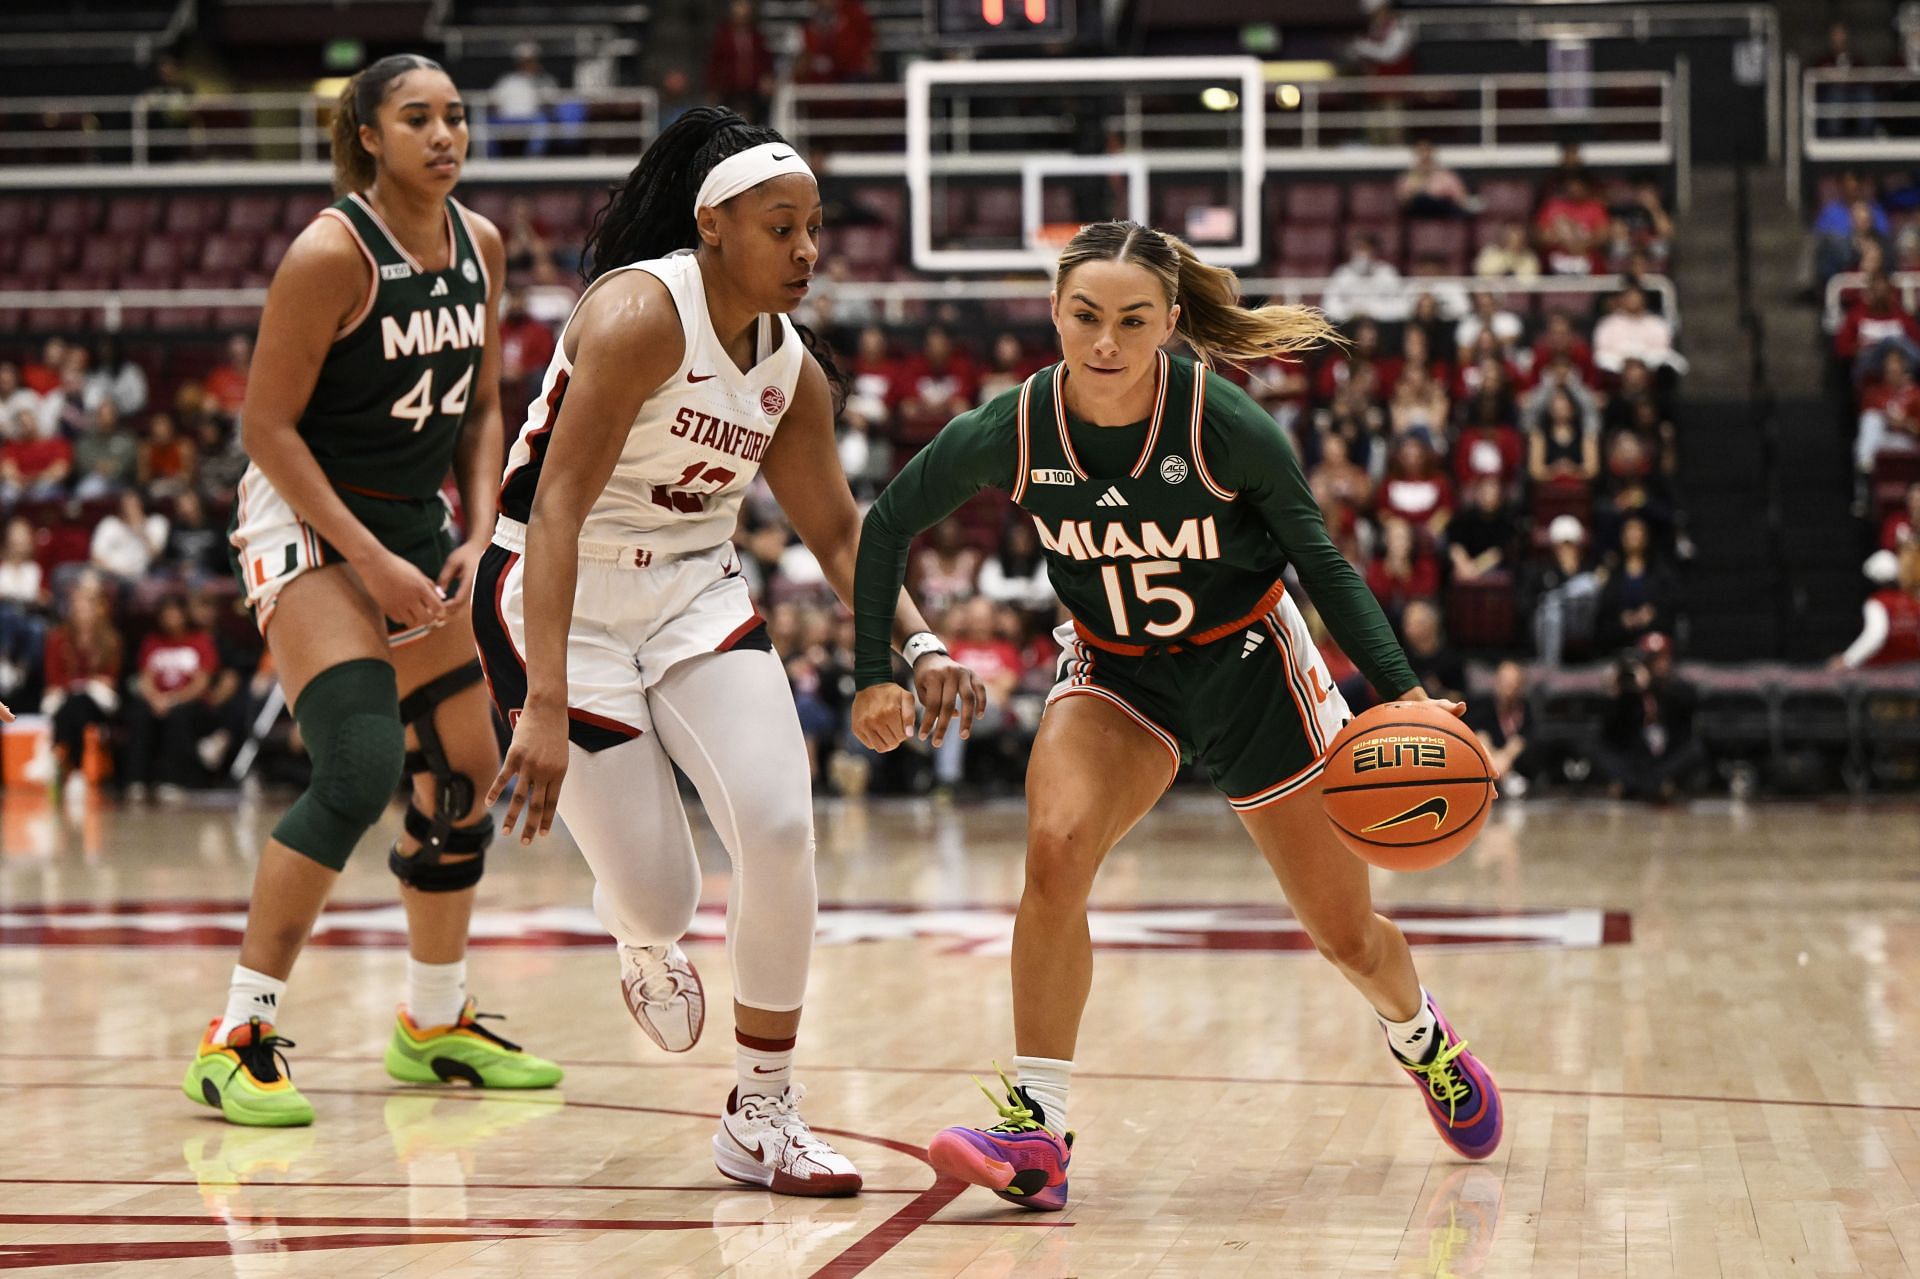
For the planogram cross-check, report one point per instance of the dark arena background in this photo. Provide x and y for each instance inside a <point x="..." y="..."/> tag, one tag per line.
<point x="1623" y="436"/>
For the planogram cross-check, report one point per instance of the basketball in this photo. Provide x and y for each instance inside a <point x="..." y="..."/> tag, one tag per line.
<point x="1407" y="786"/>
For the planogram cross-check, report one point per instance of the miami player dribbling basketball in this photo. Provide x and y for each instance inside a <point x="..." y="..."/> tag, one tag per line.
<point x="616" y="627"/>
<point x="1169" y="504"/>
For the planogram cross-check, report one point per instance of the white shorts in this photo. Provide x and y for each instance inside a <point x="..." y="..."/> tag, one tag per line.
<point x="636" y="614"/>
<point x="273" y="545"/>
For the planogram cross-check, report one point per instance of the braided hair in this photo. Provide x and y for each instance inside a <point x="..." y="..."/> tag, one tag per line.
<point x="651" y="214"/>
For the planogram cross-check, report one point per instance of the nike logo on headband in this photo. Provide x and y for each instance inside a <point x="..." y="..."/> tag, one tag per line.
<point x="776" y="159"/>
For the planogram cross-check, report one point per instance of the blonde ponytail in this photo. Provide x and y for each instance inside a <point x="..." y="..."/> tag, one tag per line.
<point x="1212" y="321"/>
<point x="1222" y="331"/>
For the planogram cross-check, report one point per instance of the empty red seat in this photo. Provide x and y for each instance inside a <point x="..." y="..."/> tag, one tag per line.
<point x="254" y="212"/>
<point x="996" y="212"/>
<point x="1507" y="199"/>
<point x="192" y="214"/>
<point x="1480" y="613"/>
<point x="1308" y="250"/>
<point x="559" y="210"/>
<point x="162" y="255"/>
<point x="230" y="253"/>
<point x="1578" y="305"/>
<point x="107" y="255"/>
<point x="16" y="215"/>
<point x="46" y="255"/>
<point x="1430" y="241"/>
<point x="1373" y="202"/>
<point x="1314" y="203"/>
<point x="132" y="214"/>
<point x="71" y="214"/>
<point x="273" y="247"/>
<point x="866" y="247"/>
<point x="490" y="203"/>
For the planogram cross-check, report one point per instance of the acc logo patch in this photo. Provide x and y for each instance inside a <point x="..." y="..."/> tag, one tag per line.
<point x="469" y="270"/>
<point x="1050" y="477"/>
<point x="1174" y="469"/>
<point x="773" y="401"/>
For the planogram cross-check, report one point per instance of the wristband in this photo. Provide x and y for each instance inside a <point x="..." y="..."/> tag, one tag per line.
<point x="918" y="646"/>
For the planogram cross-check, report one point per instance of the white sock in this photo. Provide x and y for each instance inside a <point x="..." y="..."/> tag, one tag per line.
<point x="1046" y="1080"/>
<point x="763" y="1066"/>
<point x="1418" y="1038"/>
<point x="436" y="992"/>
<point x="250" y="995"/>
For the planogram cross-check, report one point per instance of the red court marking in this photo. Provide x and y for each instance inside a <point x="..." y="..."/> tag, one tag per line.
<point x="569" y="1186"/>
<point x="32" y="1256"/>
<point x="276" y="1218"/>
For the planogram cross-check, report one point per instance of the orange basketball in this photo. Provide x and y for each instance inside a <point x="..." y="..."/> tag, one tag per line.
<point x="1407" y="786"/>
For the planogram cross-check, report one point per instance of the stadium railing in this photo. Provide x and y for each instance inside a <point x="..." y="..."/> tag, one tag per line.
<point x="1850" y="115"/>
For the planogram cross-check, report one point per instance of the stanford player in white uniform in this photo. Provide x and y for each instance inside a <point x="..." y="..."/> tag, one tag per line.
<point x="615" y="627"/>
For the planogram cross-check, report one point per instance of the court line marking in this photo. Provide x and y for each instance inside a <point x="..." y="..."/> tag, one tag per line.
<point x="568" y="1186"/>
<point x="850" y="1262"/>
<point x="1890" y="1107"/>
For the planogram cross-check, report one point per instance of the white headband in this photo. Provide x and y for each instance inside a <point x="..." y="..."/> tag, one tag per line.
<point x="746" y="169"/>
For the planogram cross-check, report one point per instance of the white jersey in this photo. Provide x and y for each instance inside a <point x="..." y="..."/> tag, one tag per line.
<point x="694" y="446"/>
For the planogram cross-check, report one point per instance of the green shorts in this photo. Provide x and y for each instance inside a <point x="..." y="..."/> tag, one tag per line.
<point x="271" y="545"/>
<point x="1256" y="709"/>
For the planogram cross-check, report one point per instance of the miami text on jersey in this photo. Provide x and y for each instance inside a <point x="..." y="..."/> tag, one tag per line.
<point x="1196" y="539"/>
<point x="430" y="332"/>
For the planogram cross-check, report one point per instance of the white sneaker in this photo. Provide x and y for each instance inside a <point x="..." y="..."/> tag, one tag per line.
<point x="664" y="994"/>
<point x="763" y="1141"/>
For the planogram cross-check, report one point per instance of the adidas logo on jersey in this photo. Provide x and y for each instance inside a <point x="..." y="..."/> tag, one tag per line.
<point x="1254" y="640"/>
<point x="439" y="289"/>
<point x="1111" y="498"/>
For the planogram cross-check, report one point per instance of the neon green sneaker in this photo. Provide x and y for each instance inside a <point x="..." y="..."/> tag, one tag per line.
<point x="465" y="1050"/>
<point x="246" y="1078"/>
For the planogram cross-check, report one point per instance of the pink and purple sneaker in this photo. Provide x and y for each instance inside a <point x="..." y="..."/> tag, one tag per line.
<point x="1020" y="1159"/>
<point x="1462" y="1099"/>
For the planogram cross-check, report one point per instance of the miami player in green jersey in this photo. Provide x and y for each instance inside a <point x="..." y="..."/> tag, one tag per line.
<point x="377" y="370"/>
<point x="1169" y="504"/>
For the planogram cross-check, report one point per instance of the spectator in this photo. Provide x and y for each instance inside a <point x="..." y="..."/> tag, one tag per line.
<point x="1433" y="320"/>
<point x="1643" y="214"/>
<point x="1656" y="435"/>
<point x="165" y="715"/>
<point x="23" y="599"/>
<point x="83" y="659"/>
<point x="1437" y="667"/>
<point x="1416" y="348"/>
<point x="941" y="381"/>
<point x="238" y="685"/>
<point x="1008" y="368"/>
<point x="1356" y="416"/>
<point x="1279" y="385"/>
<point x="1848" y="250"/>
<point x="1889" y="620"/>
<point x="1636" y="385"/>
<point x="1429" y="189"/>
<point x="1633" y="488"/>
<point x="1562" y="450"/>
<point x="1016" y="574"/>
<point x="1404" y="571"/>
<point x="1850" y="97"/>
<point x="16" y="397"/>
<point x="526" y="348"/>
<point x="996" y="660"/>
<point x="1873" y="325"/>
<point x="528" y="240"/>
<point x="1640" y="591"/>
<point x="1344" y="491"/>
<point x="1563" y="595"/>
<point x="33" y="466"/>
<point x="1486" y="446"/>
<point x="106" y="457"/>
<point x="1416" y="489"/>
<point x="115" y="377"/>
<point x="1899" y="527"/>
<point x="226" y="386"/>
<point x="1481" y="537"/>
<point x="1561" y="376"/>
<point x="943" y="571"/>
<point x="42" y="377"/>
<point x="1647" y="748"/>
<point x="126" y="543"/>
<point x="520" y="99"/>
<point x="1889" y="413"/>
<point x="1419" y="406"/>
<point x="1835" y="218"/>
<point x="549" y="298"/>
<point x="1362" y="351"/>
<point x="1560" y="340"/>
<point x="1387" y="47"/>
<point x="1502" y="723"/>
<point x="837" y="44"/>
<point x="194" y="545"/>
<point x="739" y="64"/>
<point x="1508" y="254"/>
<point x="1364" y="285"/>
<point x="222" y="459"/>
<point x="1570" y="226"/>
<point x="167" y="461"/>
<point x="1486" y="368"/>
<point x="64" y="413"/>
<point x="1633" y="332"/>
<point x="1488" y="317"/>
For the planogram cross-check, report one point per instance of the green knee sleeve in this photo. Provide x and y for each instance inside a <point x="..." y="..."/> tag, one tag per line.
<point x="349" y="716"/>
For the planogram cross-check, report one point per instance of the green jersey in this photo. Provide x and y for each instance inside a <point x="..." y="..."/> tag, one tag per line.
<point x="385" y="413"/>
<point x="1174" y="530"/>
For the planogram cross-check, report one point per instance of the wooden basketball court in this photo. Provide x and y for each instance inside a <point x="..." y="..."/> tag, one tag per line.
<point x="1701" y="1020"/>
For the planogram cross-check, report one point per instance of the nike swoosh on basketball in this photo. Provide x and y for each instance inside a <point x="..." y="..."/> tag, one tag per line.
<point x="698" y="377"/>
<point x="1435" y="808"/>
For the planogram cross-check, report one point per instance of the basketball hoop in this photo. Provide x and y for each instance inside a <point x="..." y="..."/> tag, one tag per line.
<point x="1051" y="238"/>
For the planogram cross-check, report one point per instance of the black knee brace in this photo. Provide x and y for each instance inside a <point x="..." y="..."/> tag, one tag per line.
<point x="427" y="869"/>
